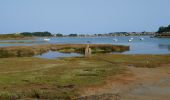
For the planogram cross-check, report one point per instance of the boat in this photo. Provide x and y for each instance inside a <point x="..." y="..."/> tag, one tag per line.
<point x="129" y="40"/>
<point x="115" y="39"/>
<point x="46" y="39"/>
<point x="141" y="39"/>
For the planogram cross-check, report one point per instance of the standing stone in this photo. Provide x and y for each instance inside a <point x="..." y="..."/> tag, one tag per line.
<point x="87" y="51"/>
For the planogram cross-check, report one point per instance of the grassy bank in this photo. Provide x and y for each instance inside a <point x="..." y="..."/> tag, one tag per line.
<point x="13" y="37"/>
<point x="36" y="78"/>
<point x="22" y="42"/>
<point x="27" y="51"/>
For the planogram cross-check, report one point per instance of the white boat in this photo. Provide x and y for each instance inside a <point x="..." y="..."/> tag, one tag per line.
<point x="141" y="39"/>
<point x="46" y="39"/>
<point x="129" y="40"/>
<point x="115" y="39"/>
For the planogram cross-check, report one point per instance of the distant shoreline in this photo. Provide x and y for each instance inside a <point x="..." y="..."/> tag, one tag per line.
<point x="32" y="35"/>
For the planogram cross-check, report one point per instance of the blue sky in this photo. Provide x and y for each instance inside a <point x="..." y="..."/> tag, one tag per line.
<point x="83" y="16"/>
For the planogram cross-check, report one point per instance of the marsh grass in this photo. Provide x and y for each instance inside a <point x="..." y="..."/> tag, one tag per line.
<point x="33" y="94"/>
<point x="13" y="36"/>
<point x="22" y="42"/>
<point x="62" y="79"/>
<point x="28" y="51"/>
<point x="149" y="61"/>
<point x="35" y="79"/>
<point x="6" y="95"/>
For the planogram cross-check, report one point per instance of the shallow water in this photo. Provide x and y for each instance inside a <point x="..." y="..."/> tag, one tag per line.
<point x="54" y="55"/>
<point x="147" y="46"/>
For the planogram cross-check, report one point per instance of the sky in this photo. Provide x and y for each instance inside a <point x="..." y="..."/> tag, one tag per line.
<point x="83" y="16"/>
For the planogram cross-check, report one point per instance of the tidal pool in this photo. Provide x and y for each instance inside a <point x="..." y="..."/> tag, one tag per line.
<point x="55" y="55"/>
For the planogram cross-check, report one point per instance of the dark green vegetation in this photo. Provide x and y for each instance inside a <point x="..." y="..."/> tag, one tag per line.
<point x="36" y="34"/>
<point x="59" y="35"/>
<point x="27" y="51"/>
<point x="164" y="29"/>
<point x="24" y="35"/>
<point x="35" y="78"/>
<point x="72" y="35"/>
<point x="163" y="32"/>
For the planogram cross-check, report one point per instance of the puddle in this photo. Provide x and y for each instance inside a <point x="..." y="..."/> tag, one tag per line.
<point x="55" y="55"/>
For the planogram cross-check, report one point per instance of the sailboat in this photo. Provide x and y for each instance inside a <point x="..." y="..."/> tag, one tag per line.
<point x="131" y="39"/>
<point x="115" y="39"/>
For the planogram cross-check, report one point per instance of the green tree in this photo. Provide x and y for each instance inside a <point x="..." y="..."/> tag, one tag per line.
<point x="163" y="29"/>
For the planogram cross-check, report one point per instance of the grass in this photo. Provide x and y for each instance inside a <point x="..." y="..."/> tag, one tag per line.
<point x="61" y="80"/>
<point x="8" y="96"/>
<point x="22" y="42"/>
<point x="36" y="78"/>
<point x="13" y="37"/>
<point x="27" y="51"/>
<point x="149" y="61"/>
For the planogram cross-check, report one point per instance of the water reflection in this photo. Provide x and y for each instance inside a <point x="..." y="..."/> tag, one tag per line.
<point x="164" y="46"/>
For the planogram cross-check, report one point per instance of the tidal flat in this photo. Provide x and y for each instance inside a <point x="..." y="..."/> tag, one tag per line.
<point x="81" y="78"/>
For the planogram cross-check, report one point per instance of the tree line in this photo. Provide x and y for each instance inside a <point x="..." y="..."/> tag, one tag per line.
<point x="163" y="29"/>
<point x="36" y="34"/>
